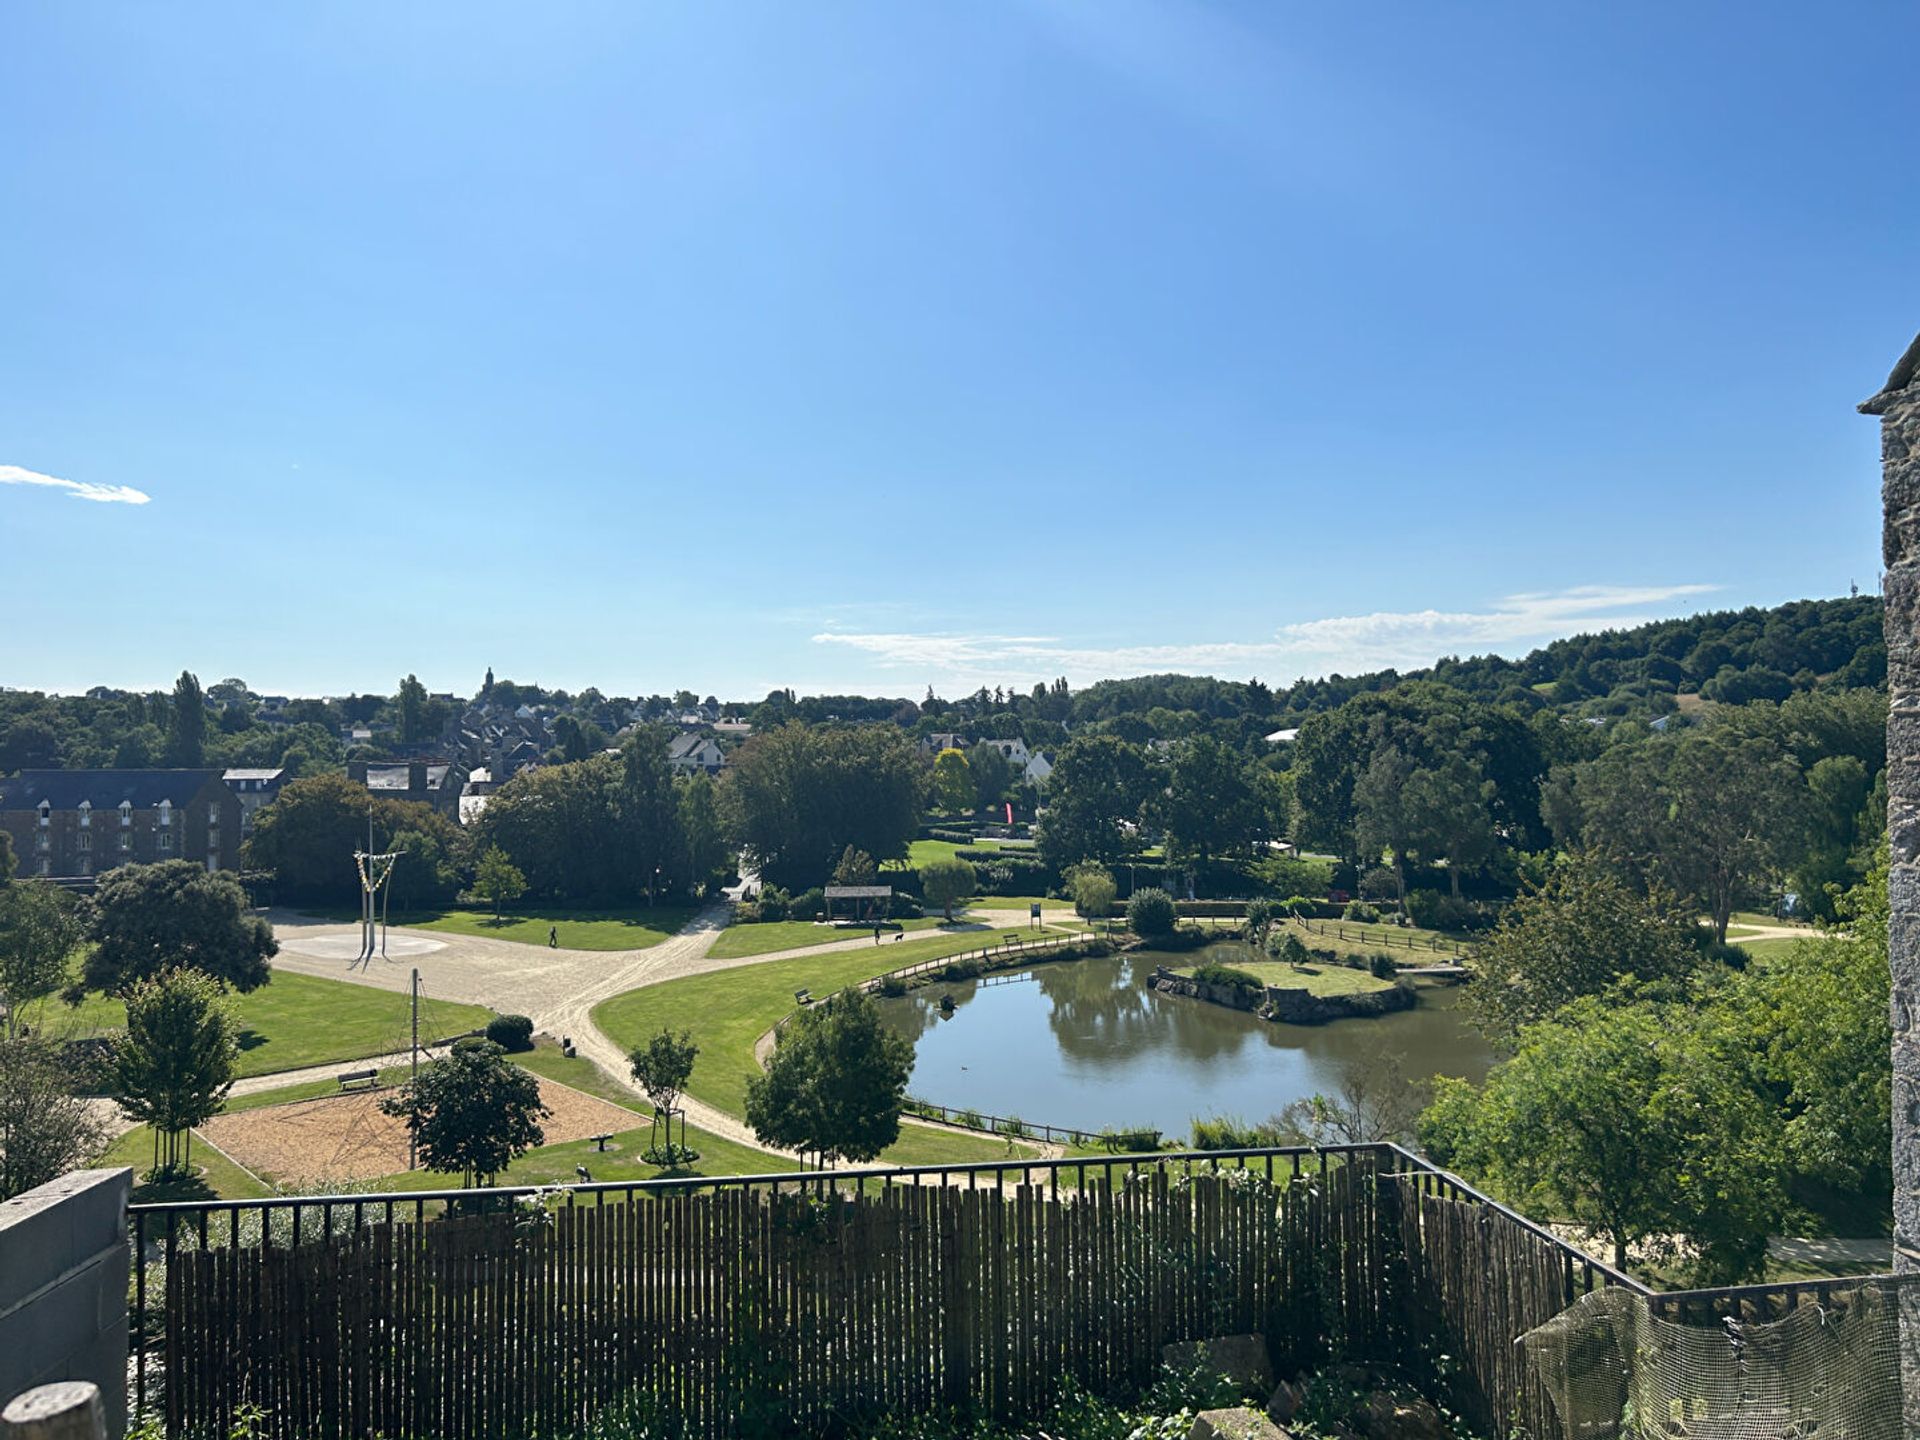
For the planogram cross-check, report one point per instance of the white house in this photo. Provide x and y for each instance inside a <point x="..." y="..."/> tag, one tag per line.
<point x="1038" y="769"/>
<point x="1018" y="756"/>
<point x="695" y="752"/>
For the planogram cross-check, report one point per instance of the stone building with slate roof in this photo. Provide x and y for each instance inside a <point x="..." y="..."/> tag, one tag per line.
<point x="72" y="824"/>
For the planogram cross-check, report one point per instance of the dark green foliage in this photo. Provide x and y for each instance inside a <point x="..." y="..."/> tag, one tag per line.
<point x="1098" y="785"/>
<point x="174" y="1066"/>
<point x="512" y="1033"/>
<point x="45" y="1128"/>
<point x="795" y="798"/>
<point x="835" y="1084"/>
<point x="1229" y="976"/>
<point x="150" y="918"/>
<point x="1151" y="914"/>
<point x="308" y="835"/>
<point x="472" y="1112"/>
<point x="41" y="925"/>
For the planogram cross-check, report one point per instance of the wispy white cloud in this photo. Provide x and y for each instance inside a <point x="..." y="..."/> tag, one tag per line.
<point x="79" y="489"/>
<point x="1350" y="643"/>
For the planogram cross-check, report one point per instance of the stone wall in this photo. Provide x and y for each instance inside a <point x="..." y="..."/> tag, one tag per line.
<point x="1898" y="406"/>
<point x="63" y="1287"/>
<point x="1287" y="1004"/>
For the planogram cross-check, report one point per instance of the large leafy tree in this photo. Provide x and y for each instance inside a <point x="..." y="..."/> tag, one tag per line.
<point x="1634" y="1119"/>
<point x="953" y="788"/>
<point x="1711" y="813"/>
<point x="703" y="845"/>
<point x="1384" y="818"/>
<point x="45" y="1129"/>
<point x="411" y="702"/>
<point x="797" y="796"/>
<point x="152" y="918"/>
<point x="174" y="1066"/>
<point x="1577" y="935"/>
<point x="946" y="882"/>
<point x="991" y="772"/>
<point x="1210" y="805"/>
<point x="187" y="723"/>
<point x="648" y="811"/>
<point x="497" y="878"/>
<point x="308" y="835"/>
<point x="472" y="1112"/>
<point x="41" y="925"/>
<point x="597" y="827"/>
<point x="1094" y="799"/>
<point x="835" y="1084"/>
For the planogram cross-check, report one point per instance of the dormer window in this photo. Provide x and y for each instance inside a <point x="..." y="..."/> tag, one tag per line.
<point x="126" y="814"/>
<point x="46" y="814"/>
<point x="86" y="814"/>
<point x="166" y="812"/>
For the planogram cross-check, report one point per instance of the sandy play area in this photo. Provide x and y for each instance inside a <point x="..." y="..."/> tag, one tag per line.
<point x="345" y="1137"/>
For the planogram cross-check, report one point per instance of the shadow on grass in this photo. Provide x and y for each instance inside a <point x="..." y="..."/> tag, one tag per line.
<point x="150" y="1191"/>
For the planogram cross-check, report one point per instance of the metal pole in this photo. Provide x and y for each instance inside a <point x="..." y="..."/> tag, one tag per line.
<point x="413" y="1141"/>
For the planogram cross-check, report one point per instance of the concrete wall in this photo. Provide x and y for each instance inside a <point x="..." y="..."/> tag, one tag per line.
<point x="63" y="1287"/>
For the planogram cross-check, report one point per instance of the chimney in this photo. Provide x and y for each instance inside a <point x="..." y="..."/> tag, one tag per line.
<point x="416" y="777"/>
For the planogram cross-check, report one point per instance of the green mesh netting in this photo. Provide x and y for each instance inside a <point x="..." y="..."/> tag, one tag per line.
<point x="1615" y="1371"/>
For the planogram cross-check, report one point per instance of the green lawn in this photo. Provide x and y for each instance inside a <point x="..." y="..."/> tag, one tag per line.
<point x="925" y="852"/>
<point x="739" y="941"/>
<point x="216" y="1176"/>
<point x="629" y="927"/>
<point x="1760" y="949"/>
<point x="292" y="1021"/>
<point x="1316" y="979"/>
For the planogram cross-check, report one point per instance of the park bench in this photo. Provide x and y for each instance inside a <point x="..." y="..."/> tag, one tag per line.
<point x="360" y="1080"/>
<point x="803" y="997"/>
<point x="600" y="1141"/>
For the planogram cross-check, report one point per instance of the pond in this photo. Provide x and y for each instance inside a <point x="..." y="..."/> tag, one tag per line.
<point x="1087" y="1044"/>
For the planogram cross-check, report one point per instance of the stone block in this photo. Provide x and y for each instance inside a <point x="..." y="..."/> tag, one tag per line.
<point x="1241" y="1358"/>
<point x="1284" y="1403"/>
<point x="1238" y="1423"/>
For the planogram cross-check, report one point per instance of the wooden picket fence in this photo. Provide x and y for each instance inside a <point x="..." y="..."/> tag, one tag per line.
<point x="741" y="1310"/>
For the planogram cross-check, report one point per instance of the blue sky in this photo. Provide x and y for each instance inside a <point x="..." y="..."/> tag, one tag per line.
<point x="867" y="346"/>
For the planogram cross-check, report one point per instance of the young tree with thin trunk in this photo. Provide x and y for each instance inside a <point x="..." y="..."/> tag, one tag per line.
<point x="498" y="878"/>
<point x="473" y="1112"/>
<point x="835" y="1084"/>
<point x="175" y="1065"/>
<point x="662" y="1068"/>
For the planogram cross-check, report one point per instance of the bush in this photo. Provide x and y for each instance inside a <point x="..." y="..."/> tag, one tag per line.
<point x="961" y="970"/>
<point x="512" y="1033"/>
<point x="1227" y="975"/>
<point x="1436" y="910"/>
<point x="809" y="904"/>
<point x="893" y="986"/>
<point x="1362" y="912"/>
<point x="1211" y="909"/>
<point x="1288" y="948"/>
<point x="1150" y="913"/>
<point x="1379" y="884"/>
<point x="1383" y="965"/>
<point x="1129" y="1141"/>
<point x="903" y="907"/>
<point x="1310" y="908"/>
<point x="1224" y="1132"/>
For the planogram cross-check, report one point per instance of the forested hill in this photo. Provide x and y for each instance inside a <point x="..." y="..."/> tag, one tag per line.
<point x="1730" y="656"/>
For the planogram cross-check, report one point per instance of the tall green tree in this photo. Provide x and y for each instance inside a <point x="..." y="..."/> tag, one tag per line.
<point x="149" y="919"/>
<point x="953" y="788"/>
<point x="992" y="774"/>
<point x="1450" y="807"/>
<point x="187" y="724"/>
<point x="835" y="1084"/>
<point x="1094" y="800"/>
<point x="1634" y="1119"/>
<point x="472" y="1112"/>
<point x="41" y="925"/>
<point x="45" y="1128"/>
<point x="703" y="845"/>
<point x="1579" y="934"/>
<point x="308" y="835"/>
<point x="175" y="1064"/>
<point x="796" y="796"/>
<point x="1712" y="813"/>
<point x="1209" y="806"/>
<point x="649" y="810"/>
<point x="411" y="702"/>
<point x="1384" y="818"/>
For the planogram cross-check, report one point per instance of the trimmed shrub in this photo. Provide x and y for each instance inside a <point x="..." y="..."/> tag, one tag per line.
<point x="1362" y="912"/>
<point x="1379" y="884"/>
<point x="808" y="904"/>
<point x="1211" y="909"/>
<point x="1383" y="965"/>
<point x="1151" y="913"/>
<point x="1227" y="975"/>
<point x="512" y="1033"/>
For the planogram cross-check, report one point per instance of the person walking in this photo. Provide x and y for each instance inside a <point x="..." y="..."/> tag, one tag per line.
<point x="553" y="937"/>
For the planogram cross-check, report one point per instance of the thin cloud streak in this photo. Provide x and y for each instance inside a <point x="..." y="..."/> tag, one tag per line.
<point x="1349" y="643"/>
<point x="78" y="489"/>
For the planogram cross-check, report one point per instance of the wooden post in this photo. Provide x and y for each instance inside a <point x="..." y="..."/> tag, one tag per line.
<point x="64" y="1410"/>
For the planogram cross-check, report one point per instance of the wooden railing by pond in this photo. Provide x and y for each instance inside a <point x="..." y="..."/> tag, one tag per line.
<point x="803" y="1304"/>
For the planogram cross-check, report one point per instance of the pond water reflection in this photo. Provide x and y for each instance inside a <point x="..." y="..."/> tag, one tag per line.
<point x="1085" y="1043"/>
